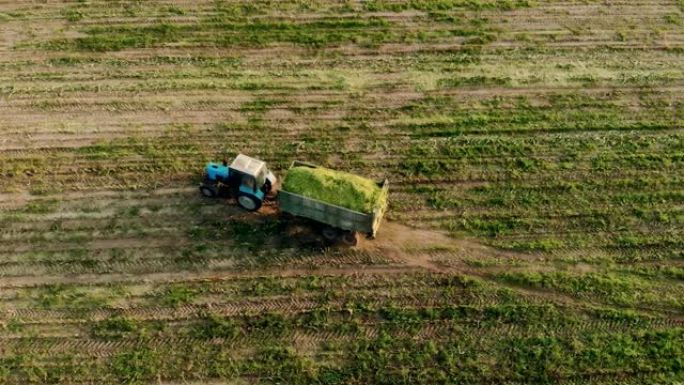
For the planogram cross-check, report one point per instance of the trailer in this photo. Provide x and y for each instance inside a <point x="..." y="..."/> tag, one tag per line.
<point x="249" y="181"/>
<point x="337" y="222"/>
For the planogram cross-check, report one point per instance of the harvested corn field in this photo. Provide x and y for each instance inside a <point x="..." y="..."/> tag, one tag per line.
<point x="535" y="152"/>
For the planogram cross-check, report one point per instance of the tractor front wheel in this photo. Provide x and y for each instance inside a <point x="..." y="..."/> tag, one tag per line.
<point x="209" y="191"/>
<point x="249" y="202"/>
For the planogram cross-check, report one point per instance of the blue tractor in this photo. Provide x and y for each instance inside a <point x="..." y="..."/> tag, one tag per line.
<point x="247" y="179"/>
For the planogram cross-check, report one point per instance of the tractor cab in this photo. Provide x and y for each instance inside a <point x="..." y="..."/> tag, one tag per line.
<point x="246" y="178"/>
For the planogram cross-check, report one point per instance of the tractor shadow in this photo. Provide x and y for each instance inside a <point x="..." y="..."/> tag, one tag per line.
<point x="266" y="228"/>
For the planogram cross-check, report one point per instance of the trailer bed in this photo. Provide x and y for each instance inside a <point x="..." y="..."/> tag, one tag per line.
<point x="330" y="214"/>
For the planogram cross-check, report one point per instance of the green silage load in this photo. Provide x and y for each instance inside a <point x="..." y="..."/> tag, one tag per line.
<point x="335" y="187"/>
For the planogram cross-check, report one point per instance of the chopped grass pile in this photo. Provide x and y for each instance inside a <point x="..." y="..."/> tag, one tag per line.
<point x="335" y="187"/>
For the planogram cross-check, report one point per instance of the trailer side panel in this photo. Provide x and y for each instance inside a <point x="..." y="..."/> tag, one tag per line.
<point x="326" y="213"/>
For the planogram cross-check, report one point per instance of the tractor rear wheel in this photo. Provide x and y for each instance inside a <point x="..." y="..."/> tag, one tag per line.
<point x="209" y="191"/>
<point x="249" y="202"/>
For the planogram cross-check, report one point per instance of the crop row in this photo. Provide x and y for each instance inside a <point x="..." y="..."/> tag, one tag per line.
<point x="400" y="360"/>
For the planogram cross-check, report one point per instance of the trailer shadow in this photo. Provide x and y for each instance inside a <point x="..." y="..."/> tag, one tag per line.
<point x="265" y="229"/>
<point x="268" y="235"/>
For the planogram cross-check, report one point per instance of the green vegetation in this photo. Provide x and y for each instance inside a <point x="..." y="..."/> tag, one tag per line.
<point x="336" y="187"/>
<point x="623" y="289"/>
<point x="136" y="367"/>
<point x="226" y="32"/>
<point x="444" y="5"/>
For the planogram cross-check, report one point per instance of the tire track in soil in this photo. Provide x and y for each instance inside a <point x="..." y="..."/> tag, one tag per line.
<point x="309" y="339"/>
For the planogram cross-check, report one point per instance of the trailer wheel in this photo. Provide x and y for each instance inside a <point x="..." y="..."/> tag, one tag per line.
<point x="350" y="238"/>
<point x="209" y="191"/>
<point x="330" y="233"/>
<point x="249" y="202"/>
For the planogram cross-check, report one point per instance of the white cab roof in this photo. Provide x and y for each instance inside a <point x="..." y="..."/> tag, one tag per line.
<point x="246" y="165"/>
